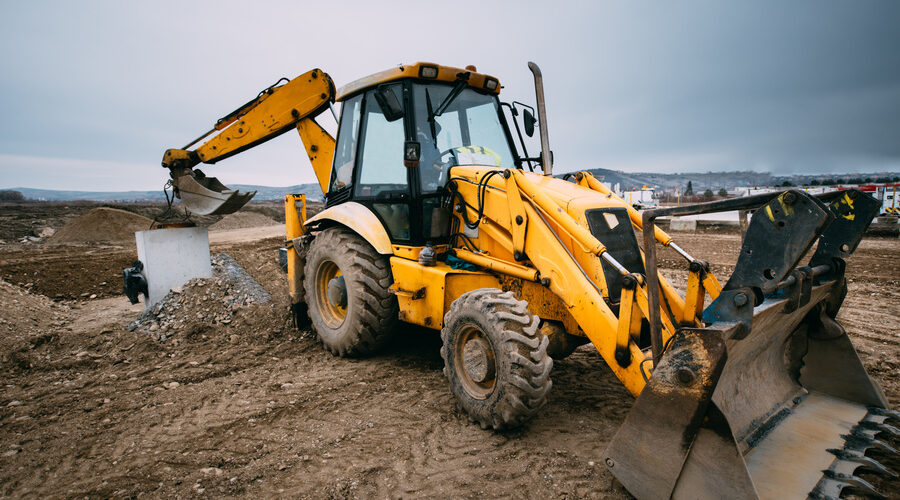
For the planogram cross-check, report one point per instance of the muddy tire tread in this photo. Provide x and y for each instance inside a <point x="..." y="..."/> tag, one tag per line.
<point x="521" y="389"/>
<point x="372" y="310"/>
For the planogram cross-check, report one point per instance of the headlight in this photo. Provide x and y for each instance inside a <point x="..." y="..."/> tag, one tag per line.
<point x="490" y="83"/>
<point x="428" y="72"/>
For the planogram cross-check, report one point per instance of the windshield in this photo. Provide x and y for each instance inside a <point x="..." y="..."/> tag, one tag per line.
<point x="468" y="132"/>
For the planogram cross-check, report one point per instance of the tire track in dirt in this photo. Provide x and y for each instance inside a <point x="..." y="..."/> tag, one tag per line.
<point x="261" y="410"/>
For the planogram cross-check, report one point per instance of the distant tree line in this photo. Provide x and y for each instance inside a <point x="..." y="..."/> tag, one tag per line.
<point x="10" y="195"/>
<point x="854" y="180"/>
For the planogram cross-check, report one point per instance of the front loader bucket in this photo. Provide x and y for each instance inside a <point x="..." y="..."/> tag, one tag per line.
<point x="769" y="399"/>
<point x="207" y="196"/>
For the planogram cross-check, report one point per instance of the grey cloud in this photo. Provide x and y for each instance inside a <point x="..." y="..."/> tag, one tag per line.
<point x="792" y="87"/>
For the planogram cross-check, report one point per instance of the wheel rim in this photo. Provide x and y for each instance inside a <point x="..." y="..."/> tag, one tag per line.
<point x="332" y="314"/>
<point x="474" y="362"/>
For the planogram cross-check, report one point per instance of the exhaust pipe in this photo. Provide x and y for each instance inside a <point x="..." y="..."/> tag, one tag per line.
<point x="546" y="158"/>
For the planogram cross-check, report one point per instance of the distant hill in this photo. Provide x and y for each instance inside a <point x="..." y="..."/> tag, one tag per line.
<point x="263" y="193"/>
<point x="700" y="181"/>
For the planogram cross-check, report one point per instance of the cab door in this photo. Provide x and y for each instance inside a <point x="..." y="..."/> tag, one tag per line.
<point x="381" y="181"/>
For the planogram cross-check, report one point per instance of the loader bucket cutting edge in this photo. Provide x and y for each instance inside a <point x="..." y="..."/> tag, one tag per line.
<point x="208" y="196"/>
<point x="764" y="433"/>
<point x="773" y="404"/>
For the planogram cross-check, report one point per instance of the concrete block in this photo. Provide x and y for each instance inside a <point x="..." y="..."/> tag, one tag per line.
<point x="171" y="257"/>
<point x="677" y="224"/>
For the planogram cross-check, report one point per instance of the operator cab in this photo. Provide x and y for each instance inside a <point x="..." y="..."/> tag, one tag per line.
<point x="435" y="118"/>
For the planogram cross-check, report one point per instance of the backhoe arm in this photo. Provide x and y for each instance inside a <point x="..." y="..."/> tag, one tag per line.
<point x="274" y="111"/>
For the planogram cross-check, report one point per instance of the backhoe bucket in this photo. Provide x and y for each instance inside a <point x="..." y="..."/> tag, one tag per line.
<point x="207" y="196"/>
<point x="770" y="399"/>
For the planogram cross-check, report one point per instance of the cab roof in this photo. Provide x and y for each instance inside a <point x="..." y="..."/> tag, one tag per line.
<point x="420" y="70"/>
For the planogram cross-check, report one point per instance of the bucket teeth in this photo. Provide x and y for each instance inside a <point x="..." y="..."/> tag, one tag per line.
<point x="848" y="480"/>
<point x="862" y="461"/>
<point x="879" y="427"/>
<point x="860" y="441"/>
<point x="884" y="412"/>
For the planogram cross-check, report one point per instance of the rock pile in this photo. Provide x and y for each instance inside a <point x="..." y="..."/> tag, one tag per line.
<point x="209" y="301"/>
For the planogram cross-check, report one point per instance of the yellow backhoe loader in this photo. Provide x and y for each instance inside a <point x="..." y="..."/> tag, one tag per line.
<point x="435" y="216"/>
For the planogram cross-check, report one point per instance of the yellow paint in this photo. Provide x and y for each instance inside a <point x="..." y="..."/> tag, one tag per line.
<point x="787" y="209"/>
<point x="319" y="148"/>
<point x="425" y="293"/>
<point x="848" y="200"/>
<point x="445" y="74"/>
<point x="412" y="253"/>
<point x="360" y="220"/>
<point x="271" y="115"/>
<point x="589" y="181"/>
<point x="559" y="247"/>
<point x="712" y="286"/>
<point x="561" y="273"/>
<point x="518" y="217"/>
<point x="494" y="264"/>
<point x="294" y="216"/>
<point x="628" y="312"/>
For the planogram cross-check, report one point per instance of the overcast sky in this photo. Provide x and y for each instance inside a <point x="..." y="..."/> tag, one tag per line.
<point x="92" y="93"/>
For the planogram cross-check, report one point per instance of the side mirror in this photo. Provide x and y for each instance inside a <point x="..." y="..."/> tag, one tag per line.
<point x="529" y="122"/>
<point x="411" y="153"/>
<point x="389" y="103"/>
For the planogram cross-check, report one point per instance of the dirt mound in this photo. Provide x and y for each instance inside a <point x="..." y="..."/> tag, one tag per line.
<point x="202" y="302"/>
<point x="26" y="320"/>
<point x="257" y="409"/>
<point x="101" y="225"/>
<point x="242" y="220"/>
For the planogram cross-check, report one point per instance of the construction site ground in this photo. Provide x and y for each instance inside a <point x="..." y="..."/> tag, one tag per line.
<point x="256" y="408"/>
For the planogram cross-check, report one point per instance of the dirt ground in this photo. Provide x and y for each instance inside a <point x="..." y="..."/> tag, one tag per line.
<point x="257" y="408"/>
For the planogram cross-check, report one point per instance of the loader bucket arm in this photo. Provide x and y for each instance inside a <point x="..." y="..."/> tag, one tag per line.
<point x="274" y="111"/>
<point x="768" y="399"/>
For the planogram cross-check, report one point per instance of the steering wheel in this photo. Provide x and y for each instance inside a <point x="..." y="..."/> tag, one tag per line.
<point x="444" y="166"/>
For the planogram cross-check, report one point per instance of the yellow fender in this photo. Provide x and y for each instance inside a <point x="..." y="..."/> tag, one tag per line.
<point x="361" y="220"/>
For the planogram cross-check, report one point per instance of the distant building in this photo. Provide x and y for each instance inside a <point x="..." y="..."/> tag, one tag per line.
<point x="640" y="198"/>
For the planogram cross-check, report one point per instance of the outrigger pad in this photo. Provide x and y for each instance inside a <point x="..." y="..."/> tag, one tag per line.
<point x="207" y="196"/>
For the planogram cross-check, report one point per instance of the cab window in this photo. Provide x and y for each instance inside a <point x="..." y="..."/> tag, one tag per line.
<point x="467" y="132"/>
<point x="381" y="170"/>
<point x="345" y="150"/>
<point x="382" y="177"/>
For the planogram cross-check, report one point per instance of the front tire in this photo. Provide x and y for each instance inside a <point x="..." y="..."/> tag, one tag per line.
<point x="495" y="358"/>
<point x="346" y="284"/>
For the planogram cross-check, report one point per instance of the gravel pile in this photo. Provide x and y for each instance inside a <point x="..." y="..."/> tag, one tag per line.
<point x="242" y="220"/>
<point x="210" y="301"/>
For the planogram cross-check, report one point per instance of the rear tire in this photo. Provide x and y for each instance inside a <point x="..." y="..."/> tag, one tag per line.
<point x="495" y="358"/>
<point x="363" y="317"/>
